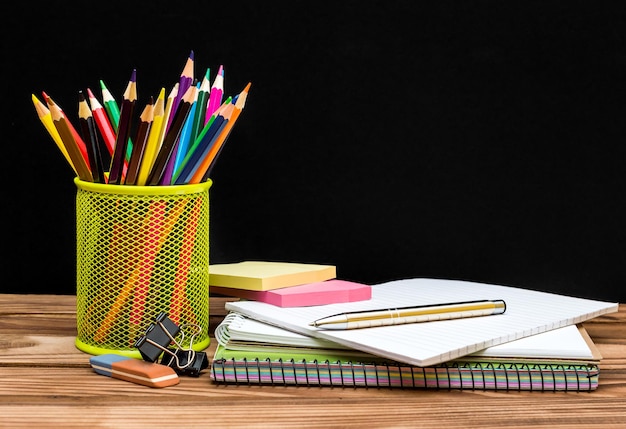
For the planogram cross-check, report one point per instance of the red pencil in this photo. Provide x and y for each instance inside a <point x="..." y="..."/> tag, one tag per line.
<point x="102" y="121"/>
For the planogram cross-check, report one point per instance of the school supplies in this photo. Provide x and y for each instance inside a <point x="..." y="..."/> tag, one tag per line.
<point x="558" y="360"/>
<point x="411" y="314"/>
<point x="160" y="339"/>
<point x="167" y="131"/>
<point x="268" y="275"/>
<point x="422" y="344"/>
<point x="134" y="370"/>
<point x="318" y="293"/>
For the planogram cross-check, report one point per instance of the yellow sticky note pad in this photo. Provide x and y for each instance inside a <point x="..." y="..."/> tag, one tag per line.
<point x="260" y="275"/>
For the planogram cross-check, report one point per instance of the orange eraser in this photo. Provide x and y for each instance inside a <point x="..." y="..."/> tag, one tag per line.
<point x="134" y="370"/>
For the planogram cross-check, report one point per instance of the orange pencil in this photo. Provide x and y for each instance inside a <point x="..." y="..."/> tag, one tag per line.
<point x="69" y="141"/>
<point x="208" y="160"/>
<point x="46" y="119"/>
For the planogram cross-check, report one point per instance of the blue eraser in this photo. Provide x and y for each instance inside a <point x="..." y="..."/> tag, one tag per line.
<point x="103" y="364"/>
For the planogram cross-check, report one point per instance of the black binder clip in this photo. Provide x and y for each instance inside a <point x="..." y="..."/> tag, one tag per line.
<point x="158" y="336"/>
<point x="158" y="339"/>
<point x="186" y="362"/>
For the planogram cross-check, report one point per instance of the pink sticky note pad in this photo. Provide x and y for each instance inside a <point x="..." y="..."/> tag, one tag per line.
<point x="319" y="293"/>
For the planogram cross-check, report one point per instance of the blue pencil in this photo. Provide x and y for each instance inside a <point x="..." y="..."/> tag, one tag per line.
<point x="185" y="137"/>
<point x="202" y="148"/>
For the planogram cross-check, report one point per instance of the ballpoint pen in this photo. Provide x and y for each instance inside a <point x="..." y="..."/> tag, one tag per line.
<point x="413" y="314"/>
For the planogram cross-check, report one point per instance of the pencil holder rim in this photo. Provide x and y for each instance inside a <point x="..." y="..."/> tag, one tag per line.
<point x="143" y="190"/>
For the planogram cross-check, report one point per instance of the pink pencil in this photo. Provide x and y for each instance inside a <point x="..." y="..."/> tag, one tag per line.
<point x="215" y="98"/>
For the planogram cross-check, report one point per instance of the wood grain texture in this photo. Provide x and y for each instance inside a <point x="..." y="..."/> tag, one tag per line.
<point x="46" y="382"/>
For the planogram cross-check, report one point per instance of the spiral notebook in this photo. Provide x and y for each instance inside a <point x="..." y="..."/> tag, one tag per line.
<point x="254" y="352"/>
<point x="528" y="313"/>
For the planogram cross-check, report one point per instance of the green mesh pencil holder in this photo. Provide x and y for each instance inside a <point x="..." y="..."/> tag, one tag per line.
<point x="141" y="251"/>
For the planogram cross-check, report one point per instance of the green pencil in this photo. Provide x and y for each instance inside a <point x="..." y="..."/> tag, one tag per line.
<point x="203" y="99"/>
<point x="110" y="105"/>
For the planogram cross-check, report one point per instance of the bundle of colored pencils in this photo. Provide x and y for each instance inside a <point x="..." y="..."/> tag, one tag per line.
<point x="175" y="141"/>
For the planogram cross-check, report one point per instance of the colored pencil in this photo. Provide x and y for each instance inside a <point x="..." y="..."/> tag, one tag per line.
<point x="79" y="141"/>
<point x="46" y="119"/>
<point x="180" y="298"/>
<point x="110" y="105"/>
<point x="208" y="160"/>
<point x="184" y="82"/>
<point x="183" y="141"/>
<point x="139" y="281"/>
<point x="102" y="121"/>
<point x="204" y="92"/>
<point x="171" y="137"/>
<point x="113" y="112"/>
<point x="169" y="105"/>
<point x="123" y="131"/>
<point x="217" y="92"/>
<point x="90" y="136"/>
<point x="143" y="131"/>
<point x="61" y="124"/>
<point x="166" y="179"/>
<point x="203" y="143"/>
<point x="152" y="148"/>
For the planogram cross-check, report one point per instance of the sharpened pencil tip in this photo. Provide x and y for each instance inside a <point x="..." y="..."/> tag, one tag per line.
<point x="133" y="76"/>
<point x="81" y="96"/>
<point x="90" y="94"/>
<point x="191" y="55"/>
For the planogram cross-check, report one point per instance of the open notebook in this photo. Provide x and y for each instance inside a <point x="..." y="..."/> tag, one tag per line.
<point x="252" y="352"/>
<point x="240" y="333"/>
<point x="528" y="313"/>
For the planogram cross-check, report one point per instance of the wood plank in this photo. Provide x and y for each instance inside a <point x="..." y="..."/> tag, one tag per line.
<point x="45" y="381"/>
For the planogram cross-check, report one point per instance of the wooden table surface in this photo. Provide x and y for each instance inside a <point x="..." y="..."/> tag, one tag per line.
<point x="46" y="382"/>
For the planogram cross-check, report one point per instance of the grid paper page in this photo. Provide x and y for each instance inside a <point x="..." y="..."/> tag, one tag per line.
<point x="527" y="313"/>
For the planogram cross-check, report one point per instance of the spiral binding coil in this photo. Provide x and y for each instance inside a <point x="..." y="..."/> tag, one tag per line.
<point x="453" y="375"/>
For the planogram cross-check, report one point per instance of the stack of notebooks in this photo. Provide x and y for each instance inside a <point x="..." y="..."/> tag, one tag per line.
<point x="538" y="343"/>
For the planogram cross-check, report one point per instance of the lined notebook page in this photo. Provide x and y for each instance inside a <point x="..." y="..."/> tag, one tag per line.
<point x="528" y="313"/>
<point x="238" y="330"/>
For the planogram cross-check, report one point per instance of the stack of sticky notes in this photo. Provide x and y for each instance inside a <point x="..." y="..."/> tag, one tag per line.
<point x="285" y="284"/>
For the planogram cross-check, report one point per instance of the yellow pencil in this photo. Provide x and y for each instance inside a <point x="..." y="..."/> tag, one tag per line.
<point x="169" y="105"/>
<point x="46" y="119"/>
<point x="152" y="146"/>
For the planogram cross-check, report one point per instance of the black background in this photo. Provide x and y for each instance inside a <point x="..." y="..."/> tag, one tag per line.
<point x="482" y="141"/>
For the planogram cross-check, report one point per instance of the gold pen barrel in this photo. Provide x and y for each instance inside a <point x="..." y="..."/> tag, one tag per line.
<point x="398" y="316"/>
